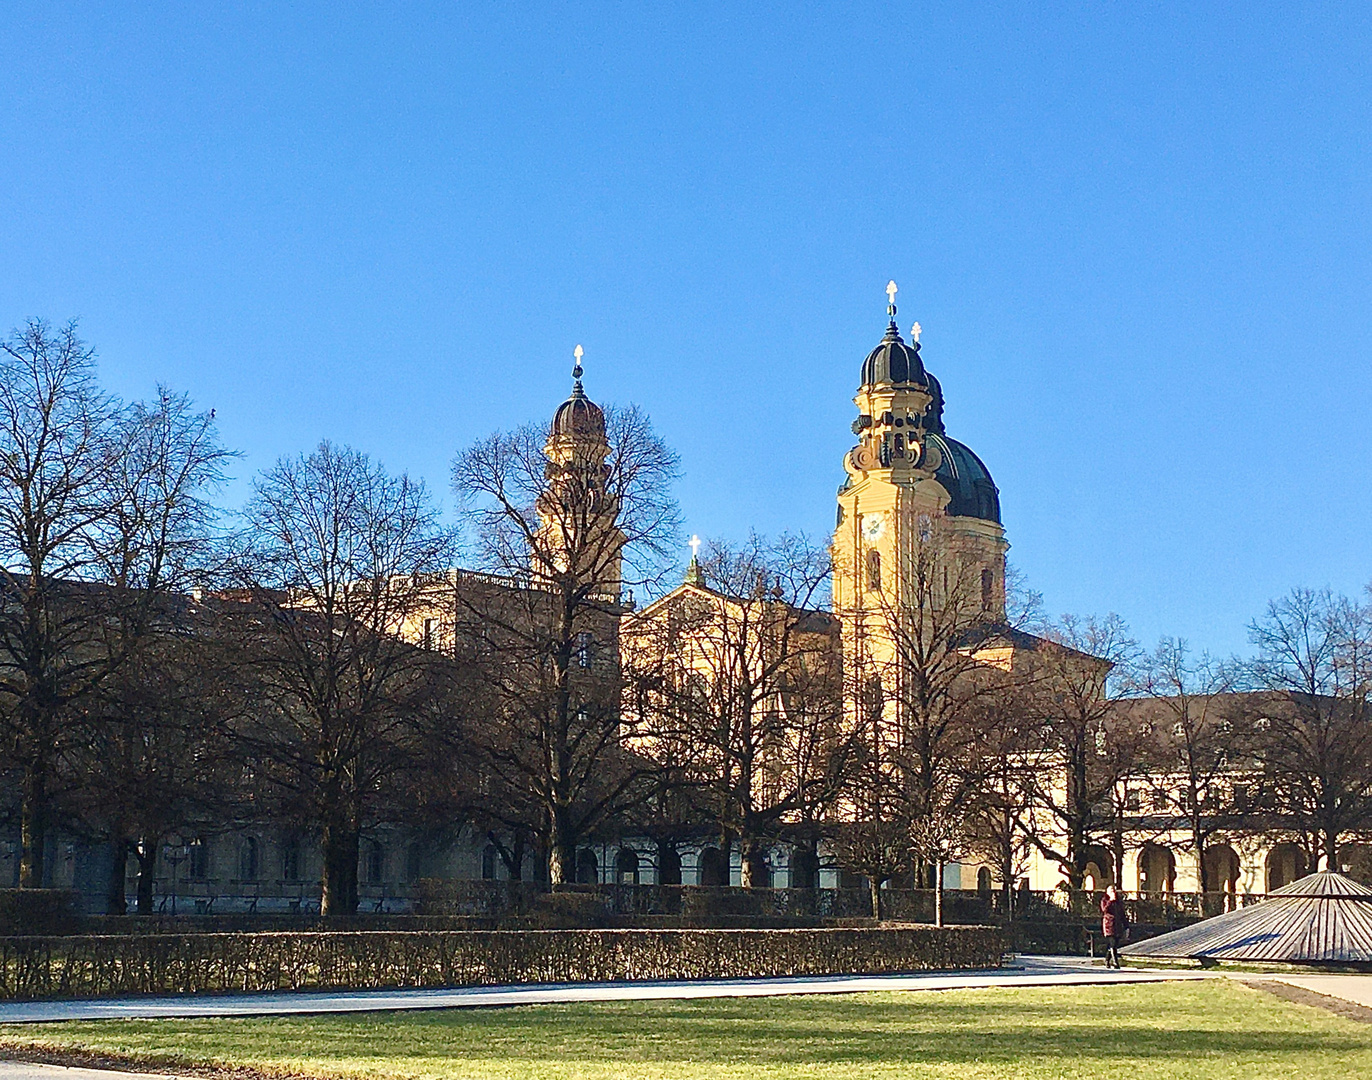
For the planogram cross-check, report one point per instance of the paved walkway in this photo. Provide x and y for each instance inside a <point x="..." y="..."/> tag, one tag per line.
<point x="1029" y="971"/>
<point x="1354" y="988"/>
<point x="13" y="1070"/>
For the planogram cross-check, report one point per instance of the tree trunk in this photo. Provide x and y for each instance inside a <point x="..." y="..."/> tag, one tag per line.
<point x="1331" y="848"/>
<point x="874" y="886"/>
<point x="146" y="855"/>
<point x="116" y="902"/>
<point x="33" y="827"/>
<point x="751" y="854"/>
<point x="938" y="892"/>
<point x="561" y="863"/>
<point x="338" y="897"/>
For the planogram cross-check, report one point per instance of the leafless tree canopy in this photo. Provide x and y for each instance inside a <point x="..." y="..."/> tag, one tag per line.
<point x="571" y="534"/>
<point x="1314" y="652"/>
<point x="336" y="556"/>
<point x="104" y="512"/>
<point x="747" y="705"/>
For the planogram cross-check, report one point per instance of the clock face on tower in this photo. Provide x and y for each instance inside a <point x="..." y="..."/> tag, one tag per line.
<point x="873" y="525"/>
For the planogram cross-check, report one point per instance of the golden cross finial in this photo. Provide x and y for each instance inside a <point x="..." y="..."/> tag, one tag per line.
<point x="891" y="298"/>
<point x="577" y="354"/>
<point x="694" y="542"/>
<point x="914" y="333"/>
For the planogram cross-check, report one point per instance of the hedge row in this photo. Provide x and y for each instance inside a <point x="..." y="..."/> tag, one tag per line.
<point x="38" y="911"/>
<point x="99" y="966"/>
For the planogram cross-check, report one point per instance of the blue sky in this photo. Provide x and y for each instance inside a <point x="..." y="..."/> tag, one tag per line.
<point x="1137" y="237"/>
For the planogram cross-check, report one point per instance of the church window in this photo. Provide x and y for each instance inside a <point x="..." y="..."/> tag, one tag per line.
<point x="988" y="583"/>
<point x="583" y="649"/>
<point x="873" y="570"/>
<point x="429" y="625"/>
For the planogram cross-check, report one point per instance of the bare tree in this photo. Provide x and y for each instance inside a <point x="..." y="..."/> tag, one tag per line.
<point x="944" y="676"/>
<point x="160" y="755"/>
<point x="1195" y="740"/>
<point x="1000" y="811"/>
<point x="745" y="665"/>
<point x="874" y="834"/>
<point x="1082" y="668"/>
<point x="337" y="557"/>
<point x="157" y="541"/>
<point x="56" y="445"/>
<point x="568" y="518"/>
<point x="1314" y="737"/>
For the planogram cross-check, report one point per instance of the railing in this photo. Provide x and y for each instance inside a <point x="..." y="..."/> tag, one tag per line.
<point x="500" y="899"/>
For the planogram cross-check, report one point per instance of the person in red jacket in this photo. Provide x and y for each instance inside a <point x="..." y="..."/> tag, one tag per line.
<point x="1114" y="921"/>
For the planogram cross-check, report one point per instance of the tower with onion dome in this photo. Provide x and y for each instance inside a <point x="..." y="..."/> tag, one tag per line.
<point x="579" y="535"/>
<point x="918" y="527"/>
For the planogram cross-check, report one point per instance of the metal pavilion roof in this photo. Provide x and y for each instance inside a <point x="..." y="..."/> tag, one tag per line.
<point x="1322" y="917"/>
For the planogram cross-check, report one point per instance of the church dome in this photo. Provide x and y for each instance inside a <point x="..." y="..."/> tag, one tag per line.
<point x="578" y="415"/>
<point x="965" y="478"/>
<point x="933" y="416"/>
<point x="893" y="361"/>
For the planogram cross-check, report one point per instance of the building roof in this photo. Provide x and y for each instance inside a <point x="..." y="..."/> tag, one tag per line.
<point x="965" y="477"/>
<point x="894" y="362"/>
<point x="1323" y="917"/>
<point x="578" y="415"/>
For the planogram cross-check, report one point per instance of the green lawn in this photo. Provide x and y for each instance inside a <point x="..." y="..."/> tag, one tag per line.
<point x="1192" y="1031"/>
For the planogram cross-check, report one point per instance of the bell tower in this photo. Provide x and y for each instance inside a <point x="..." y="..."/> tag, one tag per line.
<point x="578" y="536"/>
<point x="917" y="511"/>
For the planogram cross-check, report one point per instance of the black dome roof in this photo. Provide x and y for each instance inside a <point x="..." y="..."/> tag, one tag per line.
<point x="893" y="361"/>
<point x="579" y="415"/>
<point x="966" y="479"/>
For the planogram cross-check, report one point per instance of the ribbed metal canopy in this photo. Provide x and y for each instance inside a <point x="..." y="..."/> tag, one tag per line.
<point x="1321" y="917"/>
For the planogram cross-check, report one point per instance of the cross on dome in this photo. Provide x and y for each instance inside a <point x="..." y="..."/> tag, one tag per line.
<point x="891" y="291"/>
<point x="914" y="333"/>
<point x="577" y="354"/>
<point x="694" y="543"/>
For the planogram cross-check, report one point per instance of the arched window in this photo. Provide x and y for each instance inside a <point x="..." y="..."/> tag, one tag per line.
<point x="587" y="868"/>
<point x="873" y="570"/>
<point x="984" y="880"/>
<point x="713" y="870"/>
<point x="373" y="859"/>
<point x="247" y="859"/>
<point x="875" y="699"/>
<point x="290" y="859"/>
<point x="488" y="862"/>
<point x="988" y="586"/>
<point x="668" y="866"/>
<point x="198" y="862"/>
<point x="626" y="866"/>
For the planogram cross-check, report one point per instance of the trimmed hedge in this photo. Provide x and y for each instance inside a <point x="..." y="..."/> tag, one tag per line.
<point x="38" y="911"/>
<point x="100" y="966"/>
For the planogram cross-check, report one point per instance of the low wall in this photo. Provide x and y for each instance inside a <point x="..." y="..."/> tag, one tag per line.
<point x="99" y="966"/>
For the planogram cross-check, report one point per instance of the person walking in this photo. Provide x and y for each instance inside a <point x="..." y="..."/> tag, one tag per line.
<point x="1114" y="921"/>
